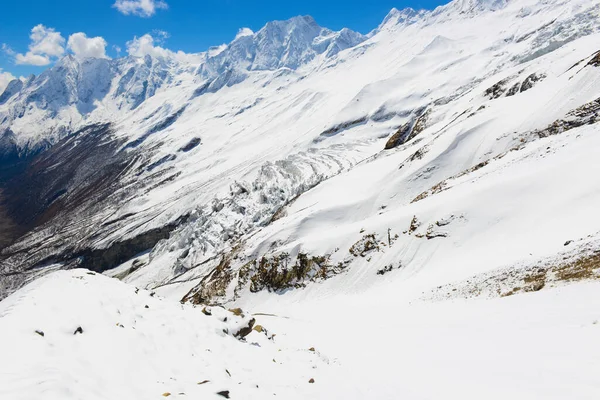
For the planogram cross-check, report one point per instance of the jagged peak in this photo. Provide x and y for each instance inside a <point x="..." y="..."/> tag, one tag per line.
<point x="471" y="7"/>
<point x="405" y="16"/>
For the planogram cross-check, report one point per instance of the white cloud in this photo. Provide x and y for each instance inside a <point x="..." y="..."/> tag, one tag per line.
<point x="141" y="8"/>
<point x="244" y="32"/>
<point x="32" y="59"/>
<point x="45" y="44"/>
<point x="8" y="50"/>
<point x="144" y="45"/>
<point x="5" y="78"/>
<point x="84" y="47"/>
<point x="149" y="45"/>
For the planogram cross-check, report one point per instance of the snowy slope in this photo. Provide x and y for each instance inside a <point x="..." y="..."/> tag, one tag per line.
<point x="134" y="345"/>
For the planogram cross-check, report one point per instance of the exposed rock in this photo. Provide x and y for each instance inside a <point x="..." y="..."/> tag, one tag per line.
<point x="342" y="127"/>
<point x="78" y="330"/>
<point x="245" y="330"/>
<point x="41" y="333"/>
<point x="530" y="81"/>
<point x="409" y="130"/>
<point x="595" y="61"/>
<point x="367" y="244"/>
<point x="277" y="273"/>
<point x="385" y="270"/>
<point x="414" y="225"/>
<point x="224" y="393"/>
<point x="587" y="114"/>
<point x="398" y="138"/>
<point x="190" y="145"/>
<point x="497" y="90"/>
<point x="237" y="312"/>
<point x="513" y="90"/>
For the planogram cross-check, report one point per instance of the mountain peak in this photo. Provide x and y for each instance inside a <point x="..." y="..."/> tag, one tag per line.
<point x="473" y="6"/>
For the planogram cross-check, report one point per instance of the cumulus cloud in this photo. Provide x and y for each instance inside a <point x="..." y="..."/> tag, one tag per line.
<point x="244" y="32"/>
<point x="5" y="78"/>
<point x="141" y="8"/>
<point x="151" y="45"/>
<point x="45" y="45"/>
<point x="144" y="45"/>
<point x="84" y="47"/>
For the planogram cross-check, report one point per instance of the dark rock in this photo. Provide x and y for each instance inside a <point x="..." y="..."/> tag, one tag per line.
<point x="385" y="270"/>
<point x="530" y="81"/>
<point x="398" y="138"/>
<point x="568" y="242"/>
<point x="497" y="90"/>
<point x="41" y="333"/>
<point x="224" y="393"/>
<point x="190" y="145"/>
<point x="78" y="330"/>
<point x="595" y="61"/>
<point x="513" y="90"/>
<point x="245" y="331"/>
<point x="343" y="126"/>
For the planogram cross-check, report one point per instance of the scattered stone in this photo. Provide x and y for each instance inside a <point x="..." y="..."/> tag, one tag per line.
<point x="364" y="246"/>
<point x="433" y="234"/>
<point x="206" y="311"/>
<point x="414" y="225"/>
<point x="203" y="382"/>
<point x="224" y="393"/>
<point x="311" y="380"/>
<point x="146" y="306"/>
<point x="259" y="328"/>
<point x="41" y="333"/>
<point x="228" y="373"/>
<point x="311" y="349"/>
<point x="78" y="330"/>
<point x="245" y="331"/>
<point x="385" y="270"/>
<point x="237" y="312"/>
<point x="166" y="394"/>
<point x="568" y="242"/>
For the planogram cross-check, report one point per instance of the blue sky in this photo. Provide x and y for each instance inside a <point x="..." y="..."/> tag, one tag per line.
<point x="187" y="25"/>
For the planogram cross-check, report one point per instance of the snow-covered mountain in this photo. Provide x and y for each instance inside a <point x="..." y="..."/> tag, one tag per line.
<point x="337" y="179"/>
<point x="74" y="92"/>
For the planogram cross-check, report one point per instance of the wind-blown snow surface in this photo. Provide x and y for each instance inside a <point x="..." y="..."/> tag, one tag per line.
<point x="271" y="151"/>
